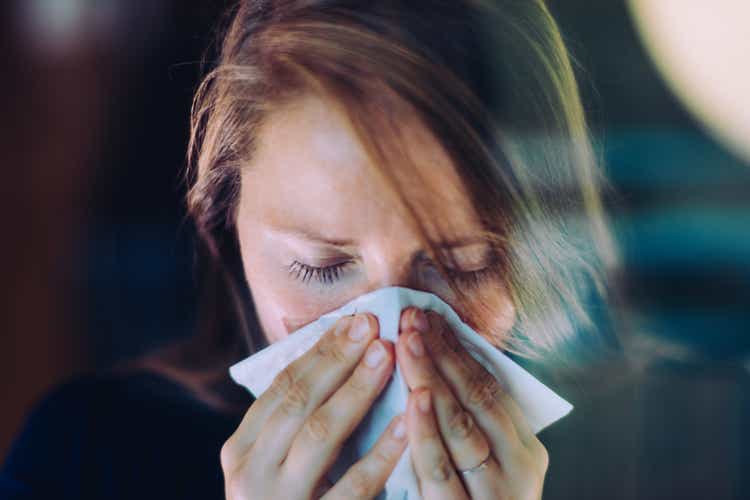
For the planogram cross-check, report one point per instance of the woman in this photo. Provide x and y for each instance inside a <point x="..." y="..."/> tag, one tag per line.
<point x="339" y="147"/>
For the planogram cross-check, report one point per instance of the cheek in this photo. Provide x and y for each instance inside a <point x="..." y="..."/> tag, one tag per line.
<point x="296" y="308"/>
<point x="282" y="309"/>
<point x="282" y="304"/>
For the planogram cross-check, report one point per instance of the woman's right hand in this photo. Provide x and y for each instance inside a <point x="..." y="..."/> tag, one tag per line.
<point x="292" y="434"/>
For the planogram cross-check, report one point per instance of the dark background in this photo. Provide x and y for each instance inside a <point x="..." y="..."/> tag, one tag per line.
<point x="97" y="263"/>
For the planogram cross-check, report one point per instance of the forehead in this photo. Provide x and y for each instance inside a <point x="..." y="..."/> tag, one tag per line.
<point x="309" y="166"/>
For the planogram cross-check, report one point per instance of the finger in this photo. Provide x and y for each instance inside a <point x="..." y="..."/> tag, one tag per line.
<point x="465" y="442"/>
<point x="434" y="469"/>
<point x="516" y="449"/>
<point x="368" y="476"/>
<point x="302" y="386"/>
<point x="457" y="357"/>
<point x="486" y="481"/>
<point x="263" y="407"/>
<point x="494" y="409"/>
<point x="317" y="444"/>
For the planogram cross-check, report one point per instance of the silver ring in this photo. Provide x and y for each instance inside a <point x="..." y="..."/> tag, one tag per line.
<point x="480" y="466"/>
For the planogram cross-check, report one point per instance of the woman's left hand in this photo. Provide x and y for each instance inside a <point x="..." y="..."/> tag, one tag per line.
<point x="459" y="417"/>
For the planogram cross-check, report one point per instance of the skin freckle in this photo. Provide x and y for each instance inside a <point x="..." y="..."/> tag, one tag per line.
<point x="311" y="200"/>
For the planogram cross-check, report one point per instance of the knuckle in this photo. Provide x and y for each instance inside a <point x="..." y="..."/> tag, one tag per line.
<point x="358" y="484"/>
<point x="441" y="469"/>
<point x="295" y="399"/>
<point x="281" y="382"/>
<point x="460" y="424"/>
<point x="317" y="428"/>
<point x="483" y="392"/>
<point x="383" y="457"/>
<point x="522" y="455"/>
<point x="330" y="350"/>
<point x="543" y="456"/>
<point x="227" y="454"/>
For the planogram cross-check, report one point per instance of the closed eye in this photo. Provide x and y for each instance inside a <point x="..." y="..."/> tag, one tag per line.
<point x="329" y="275"/>
<point x="325" y="275"/>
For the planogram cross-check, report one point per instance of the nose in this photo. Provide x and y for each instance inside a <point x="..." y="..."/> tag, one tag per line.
<point x="393" y="268"/>
<point x="403" y="269"/>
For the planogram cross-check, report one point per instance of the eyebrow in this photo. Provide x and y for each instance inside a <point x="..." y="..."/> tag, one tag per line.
<point x="312" y="236"/>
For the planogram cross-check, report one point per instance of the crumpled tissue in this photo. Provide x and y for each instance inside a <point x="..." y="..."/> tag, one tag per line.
<point x="539" y="404"/>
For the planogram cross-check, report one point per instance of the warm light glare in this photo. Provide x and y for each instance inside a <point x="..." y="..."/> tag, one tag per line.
<point x="702" y="49"/>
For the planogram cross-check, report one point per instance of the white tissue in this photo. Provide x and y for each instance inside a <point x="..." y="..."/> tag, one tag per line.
<point x="538" y="403"/>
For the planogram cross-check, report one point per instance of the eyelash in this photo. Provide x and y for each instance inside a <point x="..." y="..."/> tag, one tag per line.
<point x="325" y="275"/>
<point x="328" y="275"/>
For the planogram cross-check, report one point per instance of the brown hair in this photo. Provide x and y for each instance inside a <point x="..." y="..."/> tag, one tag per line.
<point x="493" y="82"/>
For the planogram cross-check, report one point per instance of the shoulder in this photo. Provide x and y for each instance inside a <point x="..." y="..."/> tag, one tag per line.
<point x="118" y="436"/>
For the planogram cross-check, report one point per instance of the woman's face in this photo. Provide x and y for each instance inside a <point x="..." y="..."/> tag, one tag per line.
<point x="310" y="197"/>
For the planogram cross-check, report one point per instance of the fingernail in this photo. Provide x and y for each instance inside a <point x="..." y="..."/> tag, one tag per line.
<point x="359" y="329"/>
<point x="415" y="344"/>
<point x="399" y="430"/>
<point x="424" y="402"/>
<point x="375" y="354"/>
<point x="419" y="320"/>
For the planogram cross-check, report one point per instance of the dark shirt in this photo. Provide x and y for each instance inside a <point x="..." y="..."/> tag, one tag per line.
<point x="142" y="436"/>
<point x="118" y="437"/>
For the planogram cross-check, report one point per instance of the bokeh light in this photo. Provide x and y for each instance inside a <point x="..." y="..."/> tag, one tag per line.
<point x="702" y="50"/>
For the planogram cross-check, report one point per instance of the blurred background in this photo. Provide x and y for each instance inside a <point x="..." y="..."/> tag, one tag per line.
<point x="96" y="262"/>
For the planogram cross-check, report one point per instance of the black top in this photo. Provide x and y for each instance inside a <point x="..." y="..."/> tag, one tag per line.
<point x="141" y="436"/>
<point x="118" y="437"/>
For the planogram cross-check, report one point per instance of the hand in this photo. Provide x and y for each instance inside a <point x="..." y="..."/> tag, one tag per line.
<point x="458" y="416"/>
<point x="293" y="433"/>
